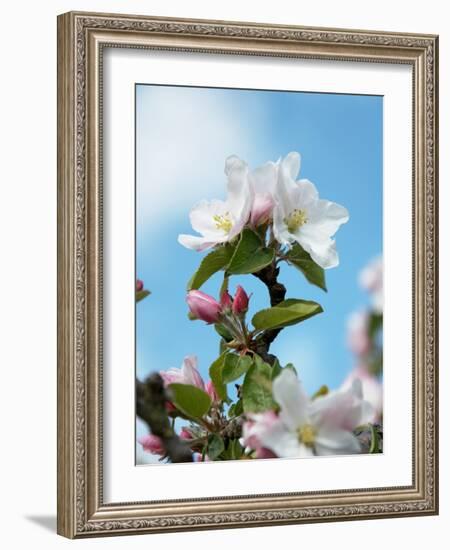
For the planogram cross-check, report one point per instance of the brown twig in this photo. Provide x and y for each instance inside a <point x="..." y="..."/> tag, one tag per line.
<point x="151" y="408"/>
<point x="277" y="292"/>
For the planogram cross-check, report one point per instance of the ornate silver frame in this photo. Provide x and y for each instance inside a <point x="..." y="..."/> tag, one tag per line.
<point x="81" y="39"/>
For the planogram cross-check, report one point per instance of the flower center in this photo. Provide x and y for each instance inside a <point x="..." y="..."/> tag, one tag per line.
<point x="307" y="435"/>
<point x="295" y="220"/>
<point x="223" y="222"/>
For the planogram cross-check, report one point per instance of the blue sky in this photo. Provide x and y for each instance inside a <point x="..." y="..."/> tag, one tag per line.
<point x="183" y="136"/>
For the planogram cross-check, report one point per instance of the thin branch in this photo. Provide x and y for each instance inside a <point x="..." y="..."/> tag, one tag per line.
<point x="277" y="293"/>
<point x="151" y="408"/>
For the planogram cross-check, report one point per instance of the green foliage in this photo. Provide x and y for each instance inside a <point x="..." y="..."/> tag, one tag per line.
<point x="286" y="313"/>
<point x="141" y="294"/>
<point x="235" y="366"/>
<point x="212" y="263"/>
<point x="190" y="400"/>
<point x="375" y="324"/>
<point x="216" y="446"/>
<point x="375" y="444"/>
<point x="236" y="409"/>
<point x="223" y="331"/>
<point x="257" y="388"/>
<point x="299" y="258"/>
<point x="250" y="255"/>
<point x="215" y="373"/>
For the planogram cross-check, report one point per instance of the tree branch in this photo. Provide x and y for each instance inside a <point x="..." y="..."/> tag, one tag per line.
<point x="277" y="292"/>
<point x="151" y="408"/>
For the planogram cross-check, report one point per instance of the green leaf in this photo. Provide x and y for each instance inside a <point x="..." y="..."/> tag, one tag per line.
<point x="141" y="294"/>
<point x="216" y="446"/>
<point x="250" y="255"/>
<point x="190" y="400"/>
<point x="286" y="313"/>
<point x="375" y="440"/>
<point x="300" y="259"/>
<point x="236" y="409"/>
<point x="224" y="332"/>
<point x="215" y="373"/>
<point x="375" y="324"/>
<point x="257" y="388"/>
<point x="321" y="392"/>
<point x="235" y="449"/>
<point x="215" y="261"/>
<point x="235" y="366"/>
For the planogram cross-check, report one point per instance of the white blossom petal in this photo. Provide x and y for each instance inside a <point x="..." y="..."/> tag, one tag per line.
<point x="264" y="178"/>
<point x="237" y="181"/>
<point x="336" y="442"/>
<point x="195" y="243"/>
<point x="342" y="409"/>
<point x="290" y="165"/>
<point x="326" y="217"/>
<point x="283" y="442"/>
<point x="202" y="216"/>
<point x="322" y="250"/>
<point x="290" y="395"/>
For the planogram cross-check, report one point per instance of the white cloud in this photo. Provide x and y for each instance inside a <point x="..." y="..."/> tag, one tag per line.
<point x="183" y="138"/>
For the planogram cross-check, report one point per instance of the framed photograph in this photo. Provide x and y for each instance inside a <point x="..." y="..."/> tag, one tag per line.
<point x="247" y="276"/>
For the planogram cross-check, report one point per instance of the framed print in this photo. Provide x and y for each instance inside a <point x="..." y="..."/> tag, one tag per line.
<point x="247" y="276"/>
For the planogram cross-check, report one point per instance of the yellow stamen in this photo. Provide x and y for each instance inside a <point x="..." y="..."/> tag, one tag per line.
<point x="307" y="435"/>
<point x="223" y="222"/>
<point x="295" y="220"/>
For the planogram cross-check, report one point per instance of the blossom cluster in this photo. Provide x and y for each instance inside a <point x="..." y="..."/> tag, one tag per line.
<point x="270" y="193"/>
<point x="252" y="407"/>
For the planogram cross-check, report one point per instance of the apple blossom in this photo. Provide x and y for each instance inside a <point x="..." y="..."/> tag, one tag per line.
<point x="203" y="306"/>
<point x="152" y="444"/>
<point x="299" y="215"/>
<point x="263" y="182"/>
<point x="358" y="333"/>
<point x="221" y="221"/>
<point x="371" y="278"/>
<point x="188" y="374"/>
<point x="372" y="389"/>
<point x="139" y="285"/>
<point x="306" y="427"/>
<point x="256" y="425"/>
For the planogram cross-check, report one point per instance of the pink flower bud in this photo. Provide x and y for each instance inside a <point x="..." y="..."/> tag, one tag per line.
<point x="185" y="433"/>
<point x="211" y="391"/>
<point x="225" y="300"/>
<point x="152" y="444"/>
<point x="203" y="306"/>
<point x="262" y="208"/>
<point x="139" y="285"/>
<point x="240" y="302"/>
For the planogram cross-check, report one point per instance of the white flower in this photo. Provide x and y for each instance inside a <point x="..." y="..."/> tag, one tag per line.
<point x="371" y="278"/>
<point x="372" y="389"/>
<point x="322" y="426"/>
<point x="221" y="221"/>
<point x="299" y="215"/>
<point x="188" y="374"/>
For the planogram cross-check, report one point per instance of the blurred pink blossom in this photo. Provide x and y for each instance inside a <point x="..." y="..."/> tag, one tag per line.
<point x="372" y="390"/>
<point x="358" y="333"/>
<point x="371" y="279"/>
<point x="152" y="444"/>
